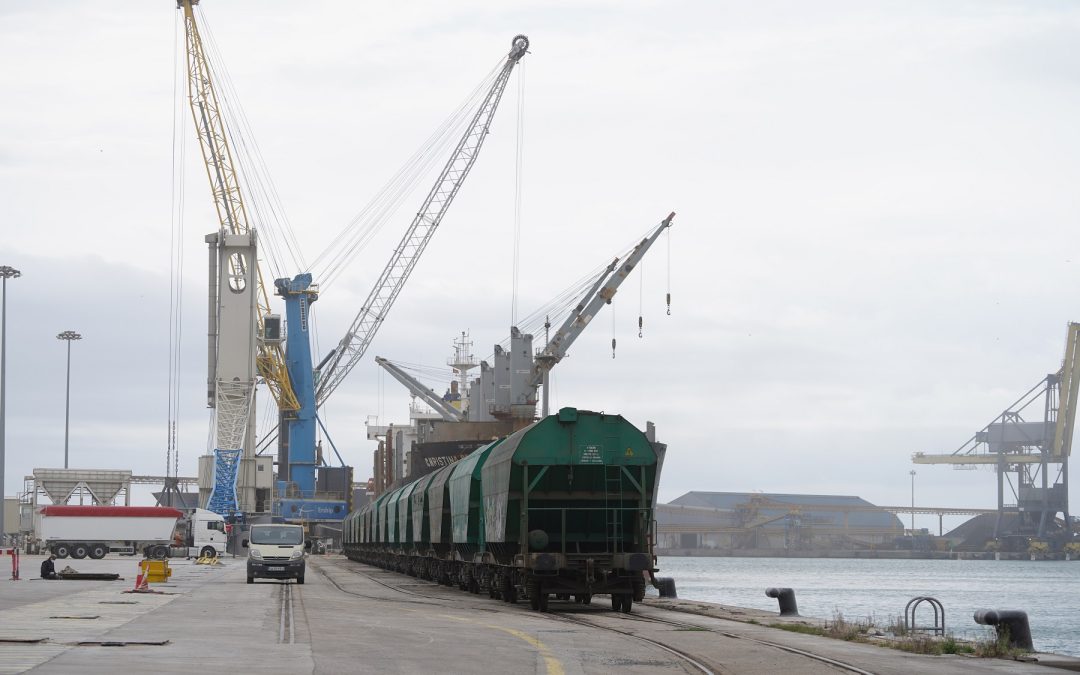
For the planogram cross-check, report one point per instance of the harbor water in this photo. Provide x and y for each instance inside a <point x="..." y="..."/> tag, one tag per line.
<point x="861" y="589"/>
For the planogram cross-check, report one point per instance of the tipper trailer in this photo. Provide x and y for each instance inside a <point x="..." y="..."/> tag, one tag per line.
<point x="153" y="531"/>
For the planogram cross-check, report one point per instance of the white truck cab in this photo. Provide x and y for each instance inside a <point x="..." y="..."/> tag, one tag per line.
<point x="275" y="552"/>
<point x="206" y="533"/>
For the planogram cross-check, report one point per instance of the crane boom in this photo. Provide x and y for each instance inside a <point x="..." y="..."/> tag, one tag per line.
<point x="1068" y="389"/>
<point x="416" y="388"/>
<point x="358" y="338"/>
<point x="228" y="199"/>
<point x="598" y="295"/>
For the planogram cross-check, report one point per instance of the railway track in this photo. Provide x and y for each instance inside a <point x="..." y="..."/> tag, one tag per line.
<point x="593" y="617"/>
<point x="286" y="616"/>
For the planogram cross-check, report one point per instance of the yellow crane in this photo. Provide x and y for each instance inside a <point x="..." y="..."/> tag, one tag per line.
<point x="224" y="179"/>
<point x="1027" y="439"/>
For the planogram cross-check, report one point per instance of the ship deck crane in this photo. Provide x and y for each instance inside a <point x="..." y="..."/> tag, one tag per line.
<point x="1029" y="449"/>
<point x="417" y="388"/>
<point x="599" y="294"/>
<point x="297" y="459"/>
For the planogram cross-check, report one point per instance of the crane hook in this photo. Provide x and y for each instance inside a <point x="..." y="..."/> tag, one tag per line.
<point x="639" y="325"/>
<point x="612" y="347"/>
<point x="669" y="304"/>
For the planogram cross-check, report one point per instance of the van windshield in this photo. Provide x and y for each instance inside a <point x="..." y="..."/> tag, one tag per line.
<point x="289" y="536"/>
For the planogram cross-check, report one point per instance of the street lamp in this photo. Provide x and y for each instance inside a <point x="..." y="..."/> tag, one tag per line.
<point x="5" y="273"/>
<point x="912" y="472"/>
<point x="67" y="336"/>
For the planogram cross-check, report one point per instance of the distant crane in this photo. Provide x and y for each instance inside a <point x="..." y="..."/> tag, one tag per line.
<point x="298" y="461"/>
<point x="1032" y="450"/>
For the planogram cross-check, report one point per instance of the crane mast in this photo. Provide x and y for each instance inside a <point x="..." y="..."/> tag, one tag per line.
<point x="228" y="200"/>
<point x="362" y="331"/>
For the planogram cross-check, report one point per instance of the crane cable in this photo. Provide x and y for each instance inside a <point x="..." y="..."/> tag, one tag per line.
<point x="277" y="235"/>
<point x="519" y="151"/>
<point x="176" y="265"/>
<point x="668" y="235"/>
<point x="329" y="264"/>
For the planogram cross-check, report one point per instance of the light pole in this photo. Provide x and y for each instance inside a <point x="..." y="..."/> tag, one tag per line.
<point x="67" y="336"/>
<point x="912" y="472"/>
<point x="5" y="273"/>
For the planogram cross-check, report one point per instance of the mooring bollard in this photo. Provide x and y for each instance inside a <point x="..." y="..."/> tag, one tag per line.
<point x="1009" y="623"/>
<point x="666" y="586"/>
<point x="786" y="597"/>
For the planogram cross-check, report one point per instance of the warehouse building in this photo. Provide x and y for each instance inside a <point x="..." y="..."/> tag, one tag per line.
<point x="719" y="522"/>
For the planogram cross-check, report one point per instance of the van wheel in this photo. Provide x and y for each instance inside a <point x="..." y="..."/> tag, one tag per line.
<point x="98" y="551"/>
<point x="79" y="551"/>
<point x="300" y="580"/>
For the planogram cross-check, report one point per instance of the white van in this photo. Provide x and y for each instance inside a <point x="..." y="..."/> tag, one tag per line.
<point x="275" y="552"/>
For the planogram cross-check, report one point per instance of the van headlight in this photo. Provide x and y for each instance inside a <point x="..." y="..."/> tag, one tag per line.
<point x="296" y="555"/>
<point x="256" y="554"/>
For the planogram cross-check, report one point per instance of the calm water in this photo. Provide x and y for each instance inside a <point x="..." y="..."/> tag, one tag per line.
<point x="1048" y="591"/>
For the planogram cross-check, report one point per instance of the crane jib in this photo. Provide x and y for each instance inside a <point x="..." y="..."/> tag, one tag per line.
<point x="362" y="331"/>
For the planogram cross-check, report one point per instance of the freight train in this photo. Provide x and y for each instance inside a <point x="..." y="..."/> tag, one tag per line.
<point x="561" y="507"/>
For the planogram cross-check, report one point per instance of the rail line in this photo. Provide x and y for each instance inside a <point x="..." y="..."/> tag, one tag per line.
<point x="578" y="615"/>
<point x="286" y="629"/>
<point x="692" y="626"/>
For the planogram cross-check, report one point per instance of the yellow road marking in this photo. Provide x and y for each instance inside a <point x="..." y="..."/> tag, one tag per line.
<point x="553" y="665"/>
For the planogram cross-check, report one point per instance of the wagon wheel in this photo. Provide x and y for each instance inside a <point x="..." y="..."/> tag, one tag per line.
<point x="509" y="592"/>
<point x="533" y="588"/>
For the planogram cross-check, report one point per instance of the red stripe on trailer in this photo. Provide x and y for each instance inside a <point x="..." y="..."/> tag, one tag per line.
<point x="110" y="511"/>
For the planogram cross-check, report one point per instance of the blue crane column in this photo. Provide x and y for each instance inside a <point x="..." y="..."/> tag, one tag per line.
<point x="298" y="468"/>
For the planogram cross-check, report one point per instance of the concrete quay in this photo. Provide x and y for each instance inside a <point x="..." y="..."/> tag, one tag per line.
<point x="350" y="618"/>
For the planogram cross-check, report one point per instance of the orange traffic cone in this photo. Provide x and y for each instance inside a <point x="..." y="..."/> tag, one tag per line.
<point x="140" y="583"/>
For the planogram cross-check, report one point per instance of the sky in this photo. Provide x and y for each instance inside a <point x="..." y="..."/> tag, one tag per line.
<point x="873" y="252"/>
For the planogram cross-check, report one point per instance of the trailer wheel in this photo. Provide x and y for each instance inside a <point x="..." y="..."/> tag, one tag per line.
<point x="98" y="551"/>
<point x="79" y="551"/>
<point x="61" y="550"/>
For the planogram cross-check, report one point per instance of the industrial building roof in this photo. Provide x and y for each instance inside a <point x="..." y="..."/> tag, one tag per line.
<point x="742" y="507"/>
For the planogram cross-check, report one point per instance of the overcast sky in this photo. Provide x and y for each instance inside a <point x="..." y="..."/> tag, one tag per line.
<point x="874" y="251"/>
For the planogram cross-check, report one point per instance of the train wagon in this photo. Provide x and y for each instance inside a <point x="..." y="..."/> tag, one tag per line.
<point x="562" y="507"/>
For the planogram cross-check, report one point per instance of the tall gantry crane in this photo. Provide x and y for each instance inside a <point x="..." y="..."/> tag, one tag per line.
<point x="244" y="335"/>
<point x="298" y="458"/>
<point x="1029" y="445"/>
